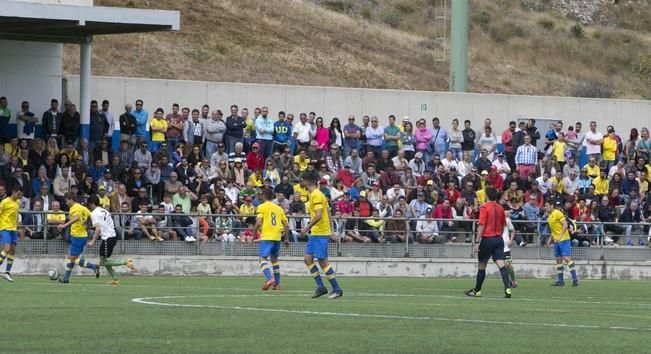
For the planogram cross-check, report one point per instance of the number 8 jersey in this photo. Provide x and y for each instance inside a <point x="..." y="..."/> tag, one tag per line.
<point x="272" y="221"/>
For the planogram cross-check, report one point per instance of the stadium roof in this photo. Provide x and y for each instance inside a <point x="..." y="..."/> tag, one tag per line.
<point x="29" y="21"/>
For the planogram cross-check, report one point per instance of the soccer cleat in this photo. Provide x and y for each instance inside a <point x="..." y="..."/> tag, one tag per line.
<point x="7" y="277"/>
<point x="276" y="287"/>
<point x="97" y="272"/>
<point x="268" y="284"/>
<point x="336" y="294"/>
<point x="558" y="283"/>
<point x="319" y="292"/>
<point x="113" y="282"/>
<point x="575" y="283"/>
<point x="514" y="283"/>
<point x="130" y="265"/>
<point x="473" y="293"/>
<point x="507" y="293"/>
<point x="63" y="281"/>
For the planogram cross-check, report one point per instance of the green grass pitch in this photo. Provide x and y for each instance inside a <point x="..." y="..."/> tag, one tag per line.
<point x="379" y="315"/>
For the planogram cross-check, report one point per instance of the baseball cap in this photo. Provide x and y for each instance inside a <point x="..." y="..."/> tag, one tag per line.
<point x="323" y="181"/>
<point x="102" y="188"/>
<point x="108" y="170"/>
<point x="419" y="155"/>
<point x="256" y="144"/>
<point x="237" y="160"/>
<point x="500" y="154"/>
<point x="347" y="164"/>
<point x="484" y="173"/>
<point x="430" y="183"/>
<point x="362" y="194"/>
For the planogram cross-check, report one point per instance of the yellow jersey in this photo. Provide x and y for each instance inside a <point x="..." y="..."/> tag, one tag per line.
<point x="318" y="201"/>
<point x="78" y="228"/>
<point x="600" y="186"/>
<point x="609" y="148"/>
<point x="302" y="164"/>
<point x="480" y="196"/>
<point x="593" y="171"/>
<point x="158" y="124"/>
<point x="247" y="209"/>
<point x="305" y="194"/>
<point x="56" y="216"/>
<point x="9" y="214"/>
<point x="104" y="202"/>
<point x="558" y="149"/>
<point x="273" y="219"/>
<point x="555" y="221"/>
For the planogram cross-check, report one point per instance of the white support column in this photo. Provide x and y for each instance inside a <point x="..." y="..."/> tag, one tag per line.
<point x="86" y="53"/>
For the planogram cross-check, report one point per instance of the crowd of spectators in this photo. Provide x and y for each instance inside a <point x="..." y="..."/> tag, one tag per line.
<point x="193" y="174"/>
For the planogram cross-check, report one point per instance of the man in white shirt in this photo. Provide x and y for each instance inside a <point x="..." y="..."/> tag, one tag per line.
<point x="502" y="165"/>
<point x="544" y="183"/>
<point x="592" y="142"/>
<point x="302" y="132"/>
<point x="104" y="226"/>
<point x="570" y="183"/>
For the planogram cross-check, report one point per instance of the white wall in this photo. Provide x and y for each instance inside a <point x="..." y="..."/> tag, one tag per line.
<point x="30" y="71"/>
<point x="340" y="102"/>
<point x="61" y="2"/>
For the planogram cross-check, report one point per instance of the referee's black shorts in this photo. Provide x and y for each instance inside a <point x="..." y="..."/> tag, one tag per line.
<point x="106" y="248"/>
<point x="491" y="247"/>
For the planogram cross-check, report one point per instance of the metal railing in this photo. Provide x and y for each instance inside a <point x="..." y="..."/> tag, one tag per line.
<point x="455" y="240"/>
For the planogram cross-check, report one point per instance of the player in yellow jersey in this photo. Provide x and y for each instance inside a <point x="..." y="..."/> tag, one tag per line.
<point x="562" y="245"/>
<point x="272" y="224"/>
<point x="317" y="243"/>
<point x="79" y="218"/>
<point x="8" y="224"/>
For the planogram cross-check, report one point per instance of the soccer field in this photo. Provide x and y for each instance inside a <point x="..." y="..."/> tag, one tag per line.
<point x="231" y="314"/>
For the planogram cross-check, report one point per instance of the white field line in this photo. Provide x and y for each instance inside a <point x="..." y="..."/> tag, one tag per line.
<point x="546" y="299"/>
<point x="151" y="301"/>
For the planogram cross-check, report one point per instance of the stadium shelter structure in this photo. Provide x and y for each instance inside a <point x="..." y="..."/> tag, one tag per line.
<point x="32" y="34"/>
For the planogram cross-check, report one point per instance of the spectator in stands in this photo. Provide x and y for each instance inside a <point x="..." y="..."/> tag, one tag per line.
<point x="282" y="134"/>
<point x="142" y="118"/>
<point x="194" y="130"/>
<point x="427" y="230"/>
<point x="147" y="223"/>
<point x="592" y="142"/>
<point x="352" y="134"/>
<point x="26" y="123"/>
<point x="264" y="126"/>
<point x="142" y="156"/>
<point x="128" y="126"/>
<point x="52" y="119"/>
<point x="609" y="149"/>
<point x="439" y="138"/>
<point x="70" y="125"/>
<point x="55" y="218"/>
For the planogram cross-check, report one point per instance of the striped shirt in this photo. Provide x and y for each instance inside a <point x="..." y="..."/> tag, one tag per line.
<point x="526" y="155"/>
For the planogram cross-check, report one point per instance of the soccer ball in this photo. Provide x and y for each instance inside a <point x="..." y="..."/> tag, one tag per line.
<point x="53" y="274"/>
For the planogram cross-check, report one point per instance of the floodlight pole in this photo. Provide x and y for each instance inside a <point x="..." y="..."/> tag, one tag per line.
<point x="459" y="46"/>
<point x="86" y="53"/>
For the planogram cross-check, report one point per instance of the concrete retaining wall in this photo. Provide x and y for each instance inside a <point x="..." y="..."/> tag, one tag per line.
<point x="340" y="102"/>
<point x="415" y="267"/>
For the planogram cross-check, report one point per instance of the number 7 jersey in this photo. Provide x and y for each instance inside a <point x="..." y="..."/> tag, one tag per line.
<point x="272" y="221"/>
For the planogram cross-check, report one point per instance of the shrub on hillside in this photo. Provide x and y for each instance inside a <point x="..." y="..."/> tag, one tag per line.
<point x="391" y="16"/>
<point x="593" y="89"/>
<point x="546" y="23"/>
<point x="577" y="31"/>
<point x="502" y="32"/>
<point x="643" y="67"/>
<point x="343" y="6"/>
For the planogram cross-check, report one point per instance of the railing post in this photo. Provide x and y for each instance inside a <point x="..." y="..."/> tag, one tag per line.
<point x="538" y="241"/>
<point x="338" y="237"/>
<point x="473" y="237"/>
<point x="198" y="229"/>
<point x="122" y="245"/>
<point x="45" y="250"/>
<point x="408" y="231"/>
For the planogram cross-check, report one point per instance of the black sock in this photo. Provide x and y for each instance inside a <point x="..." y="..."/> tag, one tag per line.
<point x="505" y="277"/>
<point x="481" y="275"/>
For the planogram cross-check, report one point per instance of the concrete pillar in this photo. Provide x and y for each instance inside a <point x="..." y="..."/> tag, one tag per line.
<point x="86" y="53"/>
<point x="459" y="46"/>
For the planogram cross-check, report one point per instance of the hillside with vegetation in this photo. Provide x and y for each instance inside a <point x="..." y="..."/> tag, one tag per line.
<point x="593" y="48"/>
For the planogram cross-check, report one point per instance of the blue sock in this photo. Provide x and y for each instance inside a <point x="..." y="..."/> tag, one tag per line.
<point x="84" y="263"/>
<point x="265" y="270"/>
<point x="69" y="267"/>
<point x="314" y="270"/>
<point x="559" y="272"/>
<point x="276" y="269"/>
<point x="10" y="262"/>
<point x="332" y="278"/>
<point x="572" y="269"/>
